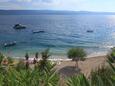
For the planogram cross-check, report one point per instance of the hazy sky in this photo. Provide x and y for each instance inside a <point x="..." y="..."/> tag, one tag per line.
<point x="76" y="5"/>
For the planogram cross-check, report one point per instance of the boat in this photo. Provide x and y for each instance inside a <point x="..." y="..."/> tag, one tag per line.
<point x="41" y="31"/>
<point x="10" y="44"/>
<point x="90" y="31"/>
<point x="19" y="26"/>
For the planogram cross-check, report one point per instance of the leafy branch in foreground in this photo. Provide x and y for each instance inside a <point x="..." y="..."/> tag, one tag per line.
<point x="44" y="75"/>
<point x="21" y="76"/>
<point x="104" y="76"/>
<point x="111" y="55"/>
<point x="79" y="80"/>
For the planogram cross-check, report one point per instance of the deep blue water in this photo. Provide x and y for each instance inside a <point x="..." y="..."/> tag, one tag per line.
<point x="61" y="33"/>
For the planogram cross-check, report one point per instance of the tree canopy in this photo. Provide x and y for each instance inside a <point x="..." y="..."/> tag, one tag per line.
<point x="74" y="53"/>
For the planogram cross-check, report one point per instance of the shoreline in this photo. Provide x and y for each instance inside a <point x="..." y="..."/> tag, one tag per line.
<point x="64" y="57"/>
<point x="60" y="59"/>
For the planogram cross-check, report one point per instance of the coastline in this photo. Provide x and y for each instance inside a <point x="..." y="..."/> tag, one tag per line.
<point x="64" y="57"/>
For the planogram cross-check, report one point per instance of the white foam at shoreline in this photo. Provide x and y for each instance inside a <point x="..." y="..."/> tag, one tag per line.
<point x="64" y="58"/>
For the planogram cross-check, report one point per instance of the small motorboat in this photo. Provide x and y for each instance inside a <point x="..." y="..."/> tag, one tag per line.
<point x="41" y="31"/>
<point x="10" y="44"/>
<point x="19" y="26"/>
<point x="90" y="31"/>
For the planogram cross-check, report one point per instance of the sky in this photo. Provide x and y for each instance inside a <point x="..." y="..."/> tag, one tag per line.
<point x="71" y="5"/>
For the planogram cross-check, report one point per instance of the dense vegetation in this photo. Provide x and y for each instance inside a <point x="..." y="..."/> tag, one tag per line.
<point x="43" y="73"/>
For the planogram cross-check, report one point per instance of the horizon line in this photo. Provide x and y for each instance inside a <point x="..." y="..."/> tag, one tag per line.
<point x="55" y="10"/>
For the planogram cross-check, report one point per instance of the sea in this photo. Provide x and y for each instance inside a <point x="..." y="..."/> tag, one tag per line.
<point x="59" y="34"/>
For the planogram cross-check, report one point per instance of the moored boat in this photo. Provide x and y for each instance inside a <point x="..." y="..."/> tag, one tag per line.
<point x="41" y="31"/>
<point x="90" y="31"/>
<point x="19" y="26"/>
<point x="10" y="44"/>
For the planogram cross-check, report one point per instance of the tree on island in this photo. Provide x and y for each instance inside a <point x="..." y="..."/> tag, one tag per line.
<point x="76" y="54"/>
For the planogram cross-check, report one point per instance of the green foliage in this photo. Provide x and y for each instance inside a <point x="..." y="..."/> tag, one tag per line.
<point x="20" y="76"/>
<point x="36" y="55"/>
<point x="26" y="56"/>
<point x="27" y="62"/>
<point x="102" y="77"/>
<point x="76" y="53"/>
<point x="79" y="80"/>
<point x="44" y="64"/>
<point x="28" y="78"/>
<point x="111" y="55"/>
<point x="44" y="75"/>
<point x="10" y="60"/>
<point x="45" y="54"/>
<point x="20" y="65"/>
<point x="1" y="57"/>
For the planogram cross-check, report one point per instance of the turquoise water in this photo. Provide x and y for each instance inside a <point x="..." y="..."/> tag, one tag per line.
<point x="61" y="33"/>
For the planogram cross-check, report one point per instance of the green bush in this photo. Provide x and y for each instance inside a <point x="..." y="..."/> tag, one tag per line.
<point x="20" y="66"/>
<point x="111" y="55"/>
<point x="10" y="60"/>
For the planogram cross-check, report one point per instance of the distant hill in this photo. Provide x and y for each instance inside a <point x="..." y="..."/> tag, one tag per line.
<point x="51" y="12"/>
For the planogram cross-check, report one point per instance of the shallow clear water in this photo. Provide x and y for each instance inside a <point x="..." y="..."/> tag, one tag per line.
<point x="61" y="32"/>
